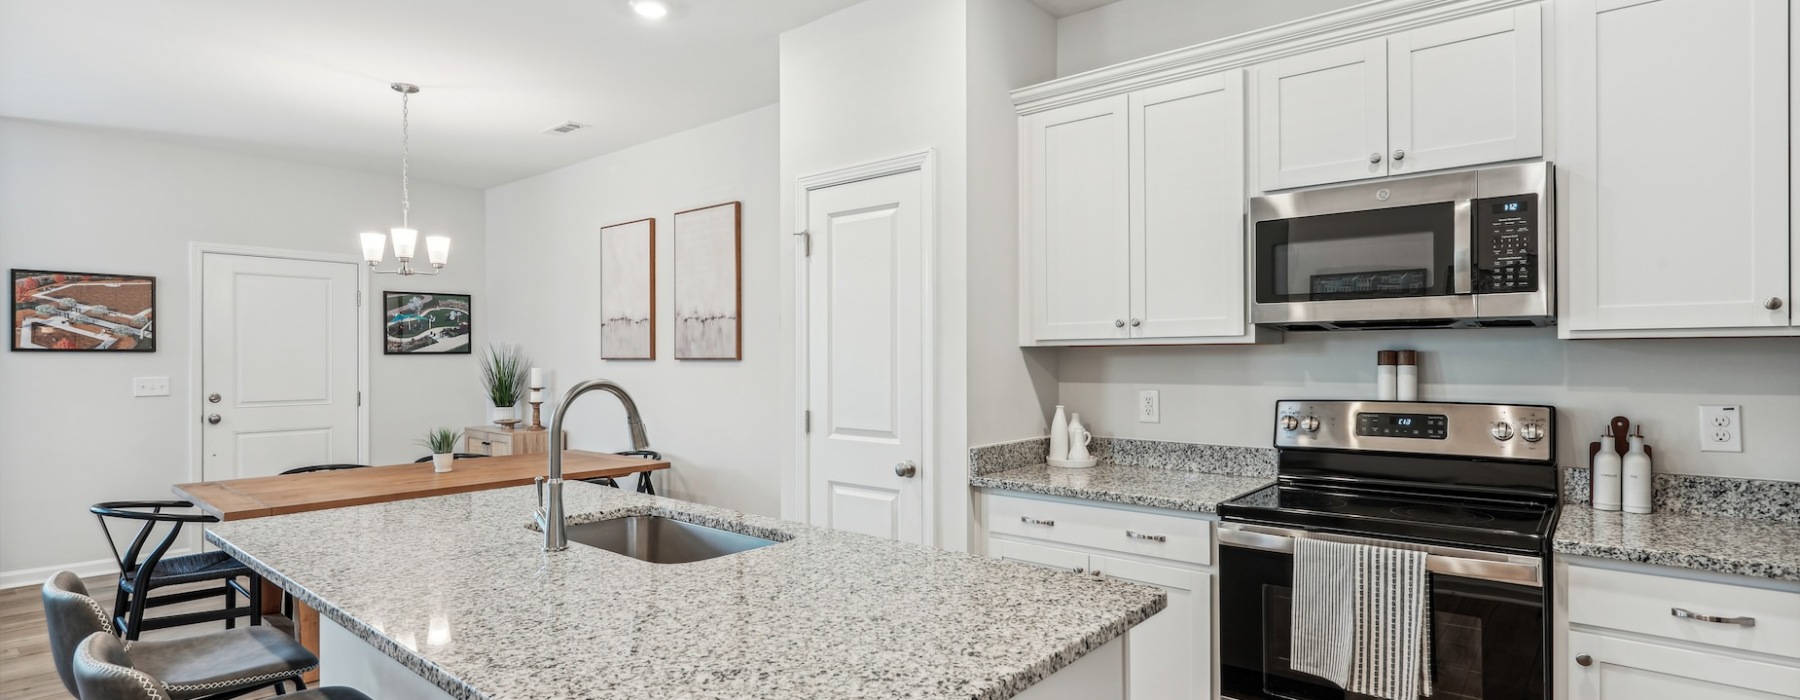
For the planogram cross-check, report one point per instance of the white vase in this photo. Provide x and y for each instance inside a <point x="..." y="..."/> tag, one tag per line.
<point x="500" y="413"/>
<point x="441" y="463"/>
<point x="1059" y="435"/>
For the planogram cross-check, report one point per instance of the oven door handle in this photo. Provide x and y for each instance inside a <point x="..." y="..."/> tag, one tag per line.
<point x="1463" y="252"/>
<point x="1461" y="563"/>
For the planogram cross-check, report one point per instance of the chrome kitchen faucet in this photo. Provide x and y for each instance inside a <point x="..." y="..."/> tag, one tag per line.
<point x="550" y="511"/>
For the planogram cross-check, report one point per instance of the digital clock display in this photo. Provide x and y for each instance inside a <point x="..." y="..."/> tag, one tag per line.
<point x="1424" y="426"/>
<point x="1516" y="206"/>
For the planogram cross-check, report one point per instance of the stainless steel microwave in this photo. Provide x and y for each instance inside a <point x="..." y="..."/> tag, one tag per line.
<point x="1453" y="250"/>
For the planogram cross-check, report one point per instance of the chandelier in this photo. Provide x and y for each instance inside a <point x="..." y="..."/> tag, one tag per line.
<point x="406" y="238"/>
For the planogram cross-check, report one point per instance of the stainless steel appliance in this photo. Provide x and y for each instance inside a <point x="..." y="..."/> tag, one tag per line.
<point x="1473" y="485"/>
<point x="1461" y="249"/>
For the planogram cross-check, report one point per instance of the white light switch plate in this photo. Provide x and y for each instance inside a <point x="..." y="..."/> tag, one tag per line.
<point x="1721" y="428"/>
<point x="150" y="386"/>
<point x="1149" y="406"/>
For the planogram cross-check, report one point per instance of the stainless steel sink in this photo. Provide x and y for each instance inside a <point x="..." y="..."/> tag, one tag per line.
<point x="660" y="540"/>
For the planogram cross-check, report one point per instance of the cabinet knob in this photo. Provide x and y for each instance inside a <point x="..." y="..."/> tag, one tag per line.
<point x="1584" y="660"/>
<point x="1772" y="303"/>
<point x="1135" y="323"/>
<point x="1118" y="323"/>
<point x="1399" y="154"/>
<point x="1374" y="157"/>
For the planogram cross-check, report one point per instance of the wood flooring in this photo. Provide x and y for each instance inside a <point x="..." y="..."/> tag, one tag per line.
<point x="26" y="669"/>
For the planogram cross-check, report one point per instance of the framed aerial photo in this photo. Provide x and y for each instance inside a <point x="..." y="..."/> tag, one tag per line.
<point x="83" y="311"/>
<point x="708" y="301"/>
<point x="426" y="323"/>
<point x="628" y="291"/>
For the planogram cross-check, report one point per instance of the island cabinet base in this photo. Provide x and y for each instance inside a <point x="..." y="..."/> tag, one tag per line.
<point x="345" y="659"/>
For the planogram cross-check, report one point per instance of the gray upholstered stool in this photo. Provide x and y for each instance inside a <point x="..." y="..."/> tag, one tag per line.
<point x="104" y="671"/>
<point x="226" y="663"/>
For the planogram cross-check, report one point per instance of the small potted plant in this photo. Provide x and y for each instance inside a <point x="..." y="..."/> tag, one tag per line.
<point x="442" y="442"/>
<point x="503" y="376"/>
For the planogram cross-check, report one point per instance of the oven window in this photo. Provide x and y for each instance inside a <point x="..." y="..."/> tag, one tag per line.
<point x="1373" y="254"/>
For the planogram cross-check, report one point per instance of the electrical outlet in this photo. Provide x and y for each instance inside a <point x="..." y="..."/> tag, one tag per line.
<point x="150" y="386"/>
<point x="1149" y="406"/>
<point x="1721" y="428"/>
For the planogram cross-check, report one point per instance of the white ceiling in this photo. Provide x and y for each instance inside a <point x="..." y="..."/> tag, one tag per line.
<point x="1064" y="8"/>
<point x="308" y="80"/>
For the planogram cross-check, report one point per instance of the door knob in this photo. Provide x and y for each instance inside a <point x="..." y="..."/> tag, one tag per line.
<point x="214" y="419"/>
<point x="1399" y="154"/>
<point x="1374" y="157"/>
<point x="906" y="469"/>
<point x="1772" y="303"/>
<point x="1584" y="660"/>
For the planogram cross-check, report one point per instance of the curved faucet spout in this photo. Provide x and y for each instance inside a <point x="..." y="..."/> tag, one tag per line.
<point x="550" y="506"/>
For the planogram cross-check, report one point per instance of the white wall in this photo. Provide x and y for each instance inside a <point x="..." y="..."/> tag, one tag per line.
<point x="90" y="201"/>
<point x="717" y="421"/>
<point x="1131" y="29"/>
<point x="1227" y="395"/>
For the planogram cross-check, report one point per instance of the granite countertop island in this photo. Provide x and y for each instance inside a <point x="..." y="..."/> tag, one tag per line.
<point x="457" y="589"/>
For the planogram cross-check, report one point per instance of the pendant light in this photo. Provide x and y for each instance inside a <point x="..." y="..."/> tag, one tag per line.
<point x="406" y="238"/>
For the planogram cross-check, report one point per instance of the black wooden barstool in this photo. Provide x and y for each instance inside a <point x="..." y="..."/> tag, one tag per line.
<point x="643" y="477"/>
<point x="137" y="578"/>
<point x="105" y="670"/>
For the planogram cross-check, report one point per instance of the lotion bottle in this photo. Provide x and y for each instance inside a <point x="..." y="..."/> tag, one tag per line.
<point x="1386" y="376"/>
<point x="1407" y="376"/>
<point x="1638" y="480"/>
<point x="1606" y="475"/>
<point x="1059" y="435"/>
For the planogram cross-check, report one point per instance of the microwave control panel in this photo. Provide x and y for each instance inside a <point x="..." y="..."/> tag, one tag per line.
<point x="1506" y="244"/>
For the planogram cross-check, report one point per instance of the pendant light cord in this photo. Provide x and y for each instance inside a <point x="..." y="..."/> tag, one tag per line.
<point x="405" y="158"/>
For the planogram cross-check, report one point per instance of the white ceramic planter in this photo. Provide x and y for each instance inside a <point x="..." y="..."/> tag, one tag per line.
<point x="500" y="413"/>
<point x="441" y="463"/>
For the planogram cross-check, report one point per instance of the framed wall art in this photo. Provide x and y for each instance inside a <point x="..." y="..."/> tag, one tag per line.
<point x="427" y="323"/>
<point x="628" y="291"/>
<point x="83" y="311"/>
<point x="708" y="298"/>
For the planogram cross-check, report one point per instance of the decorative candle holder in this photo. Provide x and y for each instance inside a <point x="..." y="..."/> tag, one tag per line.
<point x="535" y="423"/>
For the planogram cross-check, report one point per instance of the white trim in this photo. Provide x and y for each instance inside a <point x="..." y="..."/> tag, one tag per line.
<point x="799" y="470"/>
<point x="86" y="569"/>
<point x="196" y="296"/>
<point x="1349" y="25"/>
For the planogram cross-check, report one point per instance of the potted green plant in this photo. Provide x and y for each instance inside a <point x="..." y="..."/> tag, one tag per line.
<point x="442" y="442"/>
<point x="503" y="376"/>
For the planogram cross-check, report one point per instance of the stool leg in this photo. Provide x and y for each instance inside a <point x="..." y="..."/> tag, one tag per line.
<point x="644" y="484"/>
<point x="255" y="600"/>
<point x="230" y="604"/>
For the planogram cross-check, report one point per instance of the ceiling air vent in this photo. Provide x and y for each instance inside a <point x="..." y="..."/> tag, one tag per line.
<point x="566" y="127"/>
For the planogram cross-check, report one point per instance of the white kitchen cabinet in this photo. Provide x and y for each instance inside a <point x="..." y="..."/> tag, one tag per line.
<point x="1459" y="93"/>
<point x="1077" y="220"/>
<point x="1166" y="656"/>
<point x="1133" y="216"/>
<point x="1674" y="146"/>
<point x="1605" y="667"/>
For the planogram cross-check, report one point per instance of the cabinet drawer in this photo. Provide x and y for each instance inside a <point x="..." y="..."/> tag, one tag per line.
<point x="1643" y="603"/>
<point x="1124" y="531"/>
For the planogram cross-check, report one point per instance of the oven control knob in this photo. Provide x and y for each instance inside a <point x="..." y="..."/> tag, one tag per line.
<point x="1290" y="423"/>
<point x="1502" y="431"/>
<point x="1310" y="424"/>
<point x="1531" y="432"/>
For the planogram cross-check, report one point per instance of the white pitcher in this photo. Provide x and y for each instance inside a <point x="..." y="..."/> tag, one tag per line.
<point x="1079" y="437"/>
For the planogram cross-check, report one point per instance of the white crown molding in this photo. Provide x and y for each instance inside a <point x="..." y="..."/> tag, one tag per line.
<point x="1351" y="24"/>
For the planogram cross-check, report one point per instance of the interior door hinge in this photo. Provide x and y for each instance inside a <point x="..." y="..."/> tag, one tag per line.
<point x="359" y="398"/>
<point x="808" y="420"/>
<point x="359" y="297"/>
<point x="805" y="240"/>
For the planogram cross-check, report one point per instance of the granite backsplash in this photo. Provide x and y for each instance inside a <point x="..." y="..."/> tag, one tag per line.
<point x="1130" y="452"/>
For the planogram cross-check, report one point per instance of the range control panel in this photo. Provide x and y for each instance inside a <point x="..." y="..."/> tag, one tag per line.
<point x="1506" y="244"/>
<point x="1482" y="430"/>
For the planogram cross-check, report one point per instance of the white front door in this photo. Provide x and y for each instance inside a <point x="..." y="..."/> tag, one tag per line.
<point x="279" y="350"/>
<point x="865" y="355"/>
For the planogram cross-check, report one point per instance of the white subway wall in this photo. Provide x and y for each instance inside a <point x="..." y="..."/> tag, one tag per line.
<point x="1131" y="29"/>
<point x="717" y="421"/>
<point x="1227" y="395"/>
<point x="84" y="200"/>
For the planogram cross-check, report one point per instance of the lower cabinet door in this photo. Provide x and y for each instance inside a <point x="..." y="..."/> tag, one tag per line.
<point x="1038" y="555"/>
<point x="1169" y="656"/>
<point x="1601" y="667"/>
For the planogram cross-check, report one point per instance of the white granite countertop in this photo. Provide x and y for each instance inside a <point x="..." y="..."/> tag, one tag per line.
<point x="1155" y="487"/>
<point x="458" y="589"/>
<point x="1763" y="548"/>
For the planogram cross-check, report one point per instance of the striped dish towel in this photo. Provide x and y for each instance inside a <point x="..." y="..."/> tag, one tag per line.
<point x="1324" y="611"/>
<point x="1392" y="657"/>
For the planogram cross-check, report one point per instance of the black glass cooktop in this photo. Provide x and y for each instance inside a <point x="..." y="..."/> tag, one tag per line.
<point x="1521" y="525"/>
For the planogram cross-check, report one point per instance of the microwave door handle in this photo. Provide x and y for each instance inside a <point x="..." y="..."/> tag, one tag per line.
<point x="1463" y="270"/>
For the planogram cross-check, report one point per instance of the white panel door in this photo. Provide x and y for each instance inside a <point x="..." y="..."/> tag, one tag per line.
<point x="1169" y="656"/>
<point x="1322" y="116"/>
<point x="279" y="349"/>
<point x="1466" y="92"/>
<point x="1675" y="155"/>
<point x="865" y="331"/>
<point x="1622" y="669"/>
<point x="1187" y="207"/>
<point x="1077" y="219"/>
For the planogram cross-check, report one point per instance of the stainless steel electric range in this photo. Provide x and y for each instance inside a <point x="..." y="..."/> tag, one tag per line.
<point x="1474" y="485"/>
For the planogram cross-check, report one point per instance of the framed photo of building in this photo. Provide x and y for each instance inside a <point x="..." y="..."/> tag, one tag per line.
<point x="426" y="323"/>
<point x="628" y="291"/>
<point x="83" y="311"/>
<point x="708" y="298"/>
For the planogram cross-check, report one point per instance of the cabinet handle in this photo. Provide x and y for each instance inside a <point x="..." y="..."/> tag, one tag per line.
<point x="1399" y="155"/>
<point x="1118" y="323"/>
<point x="1028" y="520"/>
<point x="1142" y="536"/>
<point x="1687" y="615"/>
<point x="1374" y="157"/>
<point x="1584" y="660"/>
<point x="1772" y="303"/>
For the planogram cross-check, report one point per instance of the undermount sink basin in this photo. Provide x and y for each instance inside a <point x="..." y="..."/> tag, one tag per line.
<point x="660" y="540"/>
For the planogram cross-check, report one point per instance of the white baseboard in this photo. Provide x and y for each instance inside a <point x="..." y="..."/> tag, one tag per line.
<point x="84" y="569"/>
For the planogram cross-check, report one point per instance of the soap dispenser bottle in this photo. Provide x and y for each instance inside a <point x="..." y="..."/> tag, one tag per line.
<point x="1606" y="475"/>
<point x="1638" y="479"/>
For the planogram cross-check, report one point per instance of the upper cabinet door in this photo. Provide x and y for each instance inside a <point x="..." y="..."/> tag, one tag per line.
<point x="1077" y="220"/>
<point x="1466" y="92"/>
<point x="1187" y="206"/>
<point x="1322" y="116"/>
<point x="1675" y="159"/>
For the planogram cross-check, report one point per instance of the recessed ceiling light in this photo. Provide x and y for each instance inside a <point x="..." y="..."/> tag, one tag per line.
<point x="653" y="9"/>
